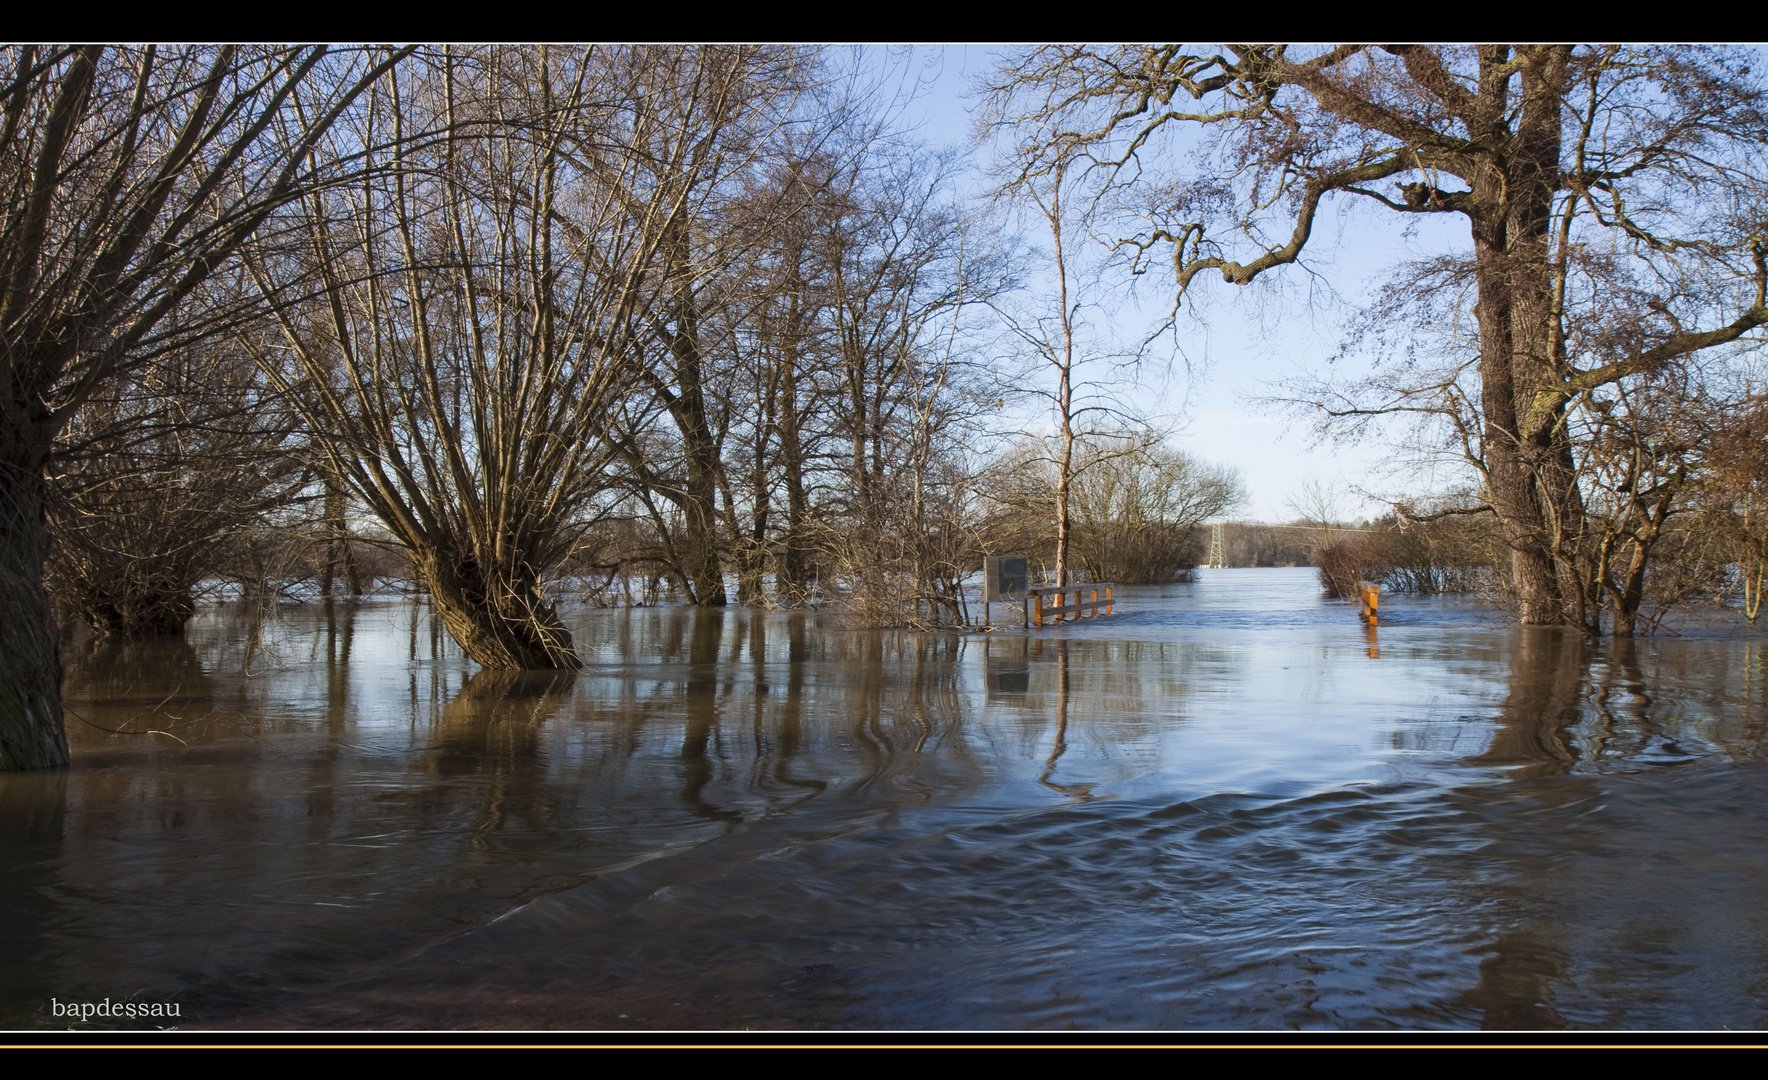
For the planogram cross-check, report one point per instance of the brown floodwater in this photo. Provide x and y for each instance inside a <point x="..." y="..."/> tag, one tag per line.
<point x="1229" y="806"/>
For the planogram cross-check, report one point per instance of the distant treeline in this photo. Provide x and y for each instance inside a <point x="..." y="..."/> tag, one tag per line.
<point x="1454" y="553"/>
<point x="1694" y="560"/>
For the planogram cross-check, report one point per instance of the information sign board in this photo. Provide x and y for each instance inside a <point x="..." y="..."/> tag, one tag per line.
<point x="1005" y="577"/>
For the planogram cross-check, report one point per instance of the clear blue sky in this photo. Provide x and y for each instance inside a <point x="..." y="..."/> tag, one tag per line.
<point x="1244" y="340"/>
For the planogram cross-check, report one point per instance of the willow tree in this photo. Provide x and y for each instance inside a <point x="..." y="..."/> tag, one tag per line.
<point x="157" y="482"/>
<point x="127" y="177"/>
<point x="1566" y="164"/>
<point x="482" y="302"/>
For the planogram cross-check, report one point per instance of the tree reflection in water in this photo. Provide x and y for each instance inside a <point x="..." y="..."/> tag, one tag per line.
<point x="491" y="730"/>
<point x="1181" y="818"/>
<point x="1059" y="742"/>
<point x="1618" y="841"/>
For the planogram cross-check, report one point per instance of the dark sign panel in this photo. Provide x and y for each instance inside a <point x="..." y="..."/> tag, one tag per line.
<point x="1006" y="666"/>
<point x="1010" y="682"/>
<point x="1005" y="577"/>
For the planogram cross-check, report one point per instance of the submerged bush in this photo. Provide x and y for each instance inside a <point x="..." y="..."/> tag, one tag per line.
<point x="1456" y="554"/>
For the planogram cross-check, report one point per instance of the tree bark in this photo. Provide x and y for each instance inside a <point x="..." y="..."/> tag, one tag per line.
<point x="702" y="568"/>
<point x="337" y="542"/>
<point x="792" y="571"/>
<point x="1528" y="453"/>
<point x="31" y="732"/>
<point x="698" y="502"/>
<point x="500" y="620"/>
<point x="793" y="577"/>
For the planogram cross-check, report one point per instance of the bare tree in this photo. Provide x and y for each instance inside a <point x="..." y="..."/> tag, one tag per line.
<point x="900" y="278"/>
<point x="127" y="177"/>
<point x="843" y="399"/>
<point x="1636" y="451"/>
<point x="1064" y="363"/>
<point x="1649" y="157"/>
<point x="488" y="305"/>
<point x="159" y="481"/>
<point x="730" y="126"/>
<point x="1136" y="516"/>
<point x="1636" y="446"/>
<point x="1133" y="517"/>
<point x="1737" y="489"/>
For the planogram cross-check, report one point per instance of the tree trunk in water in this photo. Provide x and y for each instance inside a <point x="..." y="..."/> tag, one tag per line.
<point x="1629" y="595"/>
<point x="1627" y="598"/>
<point x="1528" y="454"/>
<point x="700" y="537"/>
<point x="698" y="501"/>
<point x="499" y="621"/>
<point x="792" y="576"/>
<point x="334" y="520"/>
<point x="31" y="731"/>
<point x="754" y="557"/>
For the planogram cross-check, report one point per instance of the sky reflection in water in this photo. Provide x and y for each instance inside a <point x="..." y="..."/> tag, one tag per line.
<point x="1229" y="806"/>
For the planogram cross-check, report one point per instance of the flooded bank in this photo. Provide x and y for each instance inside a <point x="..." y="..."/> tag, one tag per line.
<point x="1229" y="806"/>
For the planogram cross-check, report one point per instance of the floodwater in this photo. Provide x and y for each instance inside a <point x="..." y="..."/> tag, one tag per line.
<point x="1228" y="806"/>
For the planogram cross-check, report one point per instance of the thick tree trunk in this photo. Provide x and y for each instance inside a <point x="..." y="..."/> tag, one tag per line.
<point x="1631" y="593"/>
<point x="699" y="546"/>
<point x="702" y="569"/>
<point x="754" y="554"/>
<point x="500" y="621"/>
<point x="31" y="731"/>
<point x="1528" y="454"/>
<point x="1523" y="467"/>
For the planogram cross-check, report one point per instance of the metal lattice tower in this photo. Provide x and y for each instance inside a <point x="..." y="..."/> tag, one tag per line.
<point x="1218" y="557"/>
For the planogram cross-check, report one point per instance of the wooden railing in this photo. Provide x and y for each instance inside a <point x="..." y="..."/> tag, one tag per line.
<point x="1039" y="609"/>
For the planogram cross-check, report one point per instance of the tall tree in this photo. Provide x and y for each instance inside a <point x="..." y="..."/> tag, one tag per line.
<point x="1648" y="155"/>
<point x="729" y="122"/>
<point x="1065" y="369"/>
<point x="901" y="273"/>
<point x="127" y="176"/>
<point x="467" y="327"/>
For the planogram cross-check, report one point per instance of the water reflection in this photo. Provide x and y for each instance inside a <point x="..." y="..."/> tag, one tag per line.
<point x="1620" y="850"/>
<point x="1183" y="816"/>
<point x="1059" y="742"/>
<point x="1548" y="667"/>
